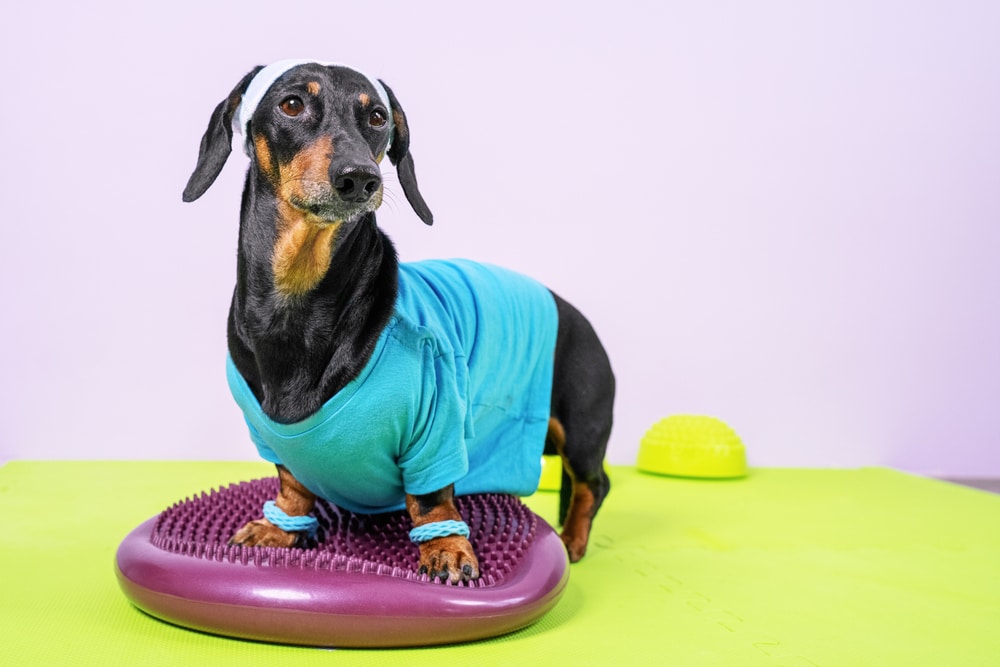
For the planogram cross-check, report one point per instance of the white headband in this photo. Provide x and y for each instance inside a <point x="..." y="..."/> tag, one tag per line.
<point x="265" y="78"/>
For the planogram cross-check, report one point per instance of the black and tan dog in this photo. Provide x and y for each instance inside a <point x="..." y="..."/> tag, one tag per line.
<point x="317" y="284"/>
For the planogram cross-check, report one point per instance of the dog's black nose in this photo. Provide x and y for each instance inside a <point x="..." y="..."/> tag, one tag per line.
<point x="357" y="184"/>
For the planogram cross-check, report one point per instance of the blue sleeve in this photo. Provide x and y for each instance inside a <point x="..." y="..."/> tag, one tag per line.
<point x="436" y="455"/>
<point x="263" y="448"/>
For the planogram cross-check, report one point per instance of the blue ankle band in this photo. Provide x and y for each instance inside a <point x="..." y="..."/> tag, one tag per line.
<point x="429" y="531"/>
<point x="292" y="524"/>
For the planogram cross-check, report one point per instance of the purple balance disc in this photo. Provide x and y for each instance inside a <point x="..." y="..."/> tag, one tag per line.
<point x="358" y="587"/>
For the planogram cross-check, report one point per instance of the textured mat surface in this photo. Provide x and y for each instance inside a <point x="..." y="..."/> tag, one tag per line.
<point x="785" y="567"/>
<point x="346" y="542"/>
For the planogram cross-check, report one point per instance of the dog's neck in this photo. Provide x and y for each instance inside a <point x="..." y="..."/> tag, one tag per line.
<point x="297" y="348"/>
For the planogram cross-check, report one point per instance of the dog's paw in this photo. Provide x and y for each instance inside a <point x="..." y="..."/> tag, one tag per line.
<point x="449" y="558"/>
<point x="576" y="546"/>
<point x="263" y="533"/>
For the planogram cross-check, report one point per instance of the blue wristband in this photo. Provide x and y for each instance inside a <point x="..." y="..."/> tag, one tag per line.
<point x="429" y="531"/>
<point x="292" y="524"/>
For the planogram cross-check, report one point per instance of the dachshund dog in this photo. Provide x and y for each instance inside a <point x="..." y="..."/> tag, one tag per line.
<point x="376" y="384"/>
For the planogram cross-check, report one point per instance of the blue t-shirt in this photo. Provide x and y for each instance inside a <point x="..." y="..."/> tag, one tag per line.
<point x="458" y="390"/>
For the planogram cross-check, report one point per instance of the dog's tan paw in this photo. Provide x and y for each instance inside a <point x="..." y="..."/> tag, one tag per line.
<point x="449" y="558"/>
<point x="576" y="546"/>
<point x="263" y="533"/>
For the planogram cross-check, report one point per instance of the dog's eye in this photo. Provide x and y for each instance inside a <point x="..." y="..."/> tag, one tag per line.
<point x="292" y="106"/>
<point x="377" y="118"/>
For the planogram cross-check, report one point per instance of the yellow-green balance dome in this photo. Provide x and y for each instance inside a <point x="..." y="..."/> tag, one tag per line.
<point x="692" y="446"/>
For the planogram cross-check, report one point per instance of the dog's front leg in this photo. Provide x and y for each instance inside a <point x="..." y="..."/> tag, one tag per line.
<point x="294" y="500"/>
<point x="445" y="556"/>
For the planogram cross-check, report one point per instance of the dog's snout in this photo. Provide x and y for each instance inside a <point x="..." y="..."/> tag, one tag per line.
<point x="357" y="184"/>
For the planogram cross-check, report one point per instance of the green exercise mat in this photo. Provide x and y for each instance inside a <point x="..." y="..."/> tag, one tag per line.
<point x="785" y="568"/>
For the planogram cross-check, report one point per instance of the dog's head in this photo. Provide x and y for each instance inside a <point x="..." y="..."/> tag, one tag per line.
<point x="316" y="133"/>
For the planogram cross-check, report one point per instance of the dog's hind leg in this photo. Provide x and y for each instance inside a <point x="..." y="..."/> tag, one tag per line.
<point x="582" y="403"/>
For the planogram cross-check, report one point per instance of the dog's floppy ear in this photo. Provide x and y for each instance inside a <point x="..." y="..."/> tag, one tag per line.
<point x="217" y="142"/>
<point x="399" y="155"/>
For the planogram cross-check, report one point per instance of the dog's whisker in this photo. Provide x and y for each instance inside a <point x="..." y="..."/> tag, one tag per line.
<point x="390" y="199"/>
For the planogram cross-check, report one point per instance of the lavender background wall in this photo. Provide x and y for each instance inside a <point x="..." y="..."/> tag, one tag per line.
<point x="783" y="214"/>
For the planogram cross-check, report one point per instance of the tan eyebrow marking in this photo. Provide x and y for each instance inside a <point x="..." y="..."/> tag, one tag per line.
<point x="313" y="87"/>
<point x="365" y="100"/>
